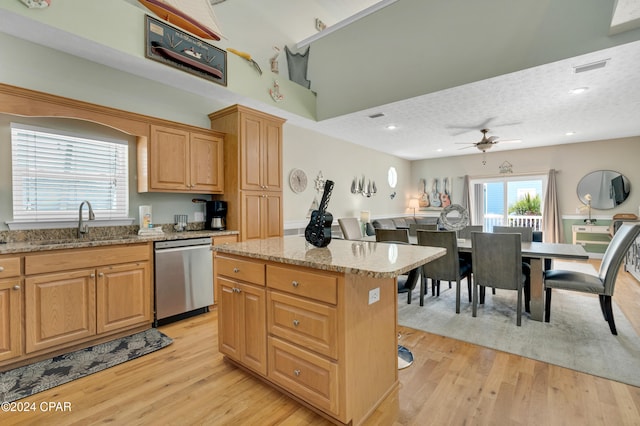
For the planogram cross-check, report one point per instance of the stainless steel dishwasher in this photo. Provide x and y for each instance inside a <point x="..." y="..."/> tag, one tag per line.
<point x="183" y="278"/>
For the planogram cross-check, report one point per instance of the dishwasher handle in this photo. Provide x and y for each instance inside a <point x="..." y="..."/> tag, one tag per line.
<point x="184" y="248"/>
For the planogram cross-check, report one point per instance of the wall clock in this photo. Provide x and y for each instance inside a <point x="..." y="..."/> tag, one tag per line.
<point x="298" y="180"/>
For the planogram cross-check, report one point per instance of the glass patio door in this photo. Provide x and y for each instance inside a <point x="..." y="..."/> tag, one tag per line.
<point x="508" y="201"/>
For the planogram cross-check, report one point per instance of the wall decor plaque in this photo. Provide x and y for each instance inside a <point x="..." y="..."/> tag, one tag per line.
<point x="171" y="46"/>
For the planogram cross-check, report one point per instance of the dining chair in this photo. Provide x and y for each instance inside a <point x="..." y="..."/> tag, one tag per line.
<point x="350" y="227"/>
<point x="497" y="263"/>
<point x="392" y="235"/>
<point x="406" y="283"/>
<point x="414" y="227"/>
<point x="526" y="233"/>
<point x="604" y="283"/>
<point x="465" y="233"/>
<point x="449" y="267"/>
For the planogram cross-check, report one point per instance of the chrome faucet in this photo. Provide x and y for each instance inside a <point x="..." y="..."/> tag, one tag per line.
<point x="83" y="228"/>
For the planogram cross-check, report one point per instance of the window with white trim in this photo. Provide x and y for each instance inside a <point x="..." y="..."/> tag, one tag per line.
<point x="53" y="172"/>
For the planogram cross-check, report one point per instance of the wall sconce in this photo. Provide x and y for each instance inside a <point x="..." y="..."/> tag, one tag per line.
<point x="414" y="204"/>
<point x="359" y="187"/>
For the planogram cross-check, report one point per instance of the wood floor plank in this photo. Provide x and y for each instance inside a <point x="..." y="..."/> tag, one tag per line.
<point x="450" y="383"/>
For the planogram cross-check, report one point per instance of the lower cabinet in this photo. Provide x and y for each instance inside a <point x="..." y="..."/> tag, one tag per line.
<point x="288" y="324"/>
<point x="10" y="318"/>
<point x="242" y="335"/>
<point x="73" y="296"/>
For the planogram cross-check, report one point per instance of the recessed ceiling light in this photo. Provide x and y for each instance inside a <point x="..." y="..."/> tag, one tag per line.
<point x="391" y="127"/>
<point x="578" y="90"/>
<point x="439" y="150"/>
<point x="570" y="133"/>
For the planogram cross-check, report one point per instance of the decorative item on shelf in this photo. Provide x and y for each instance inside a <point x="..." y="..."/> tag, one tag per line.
<point x="275" y="92"/>
<point x="274" y="60"/>
<point x="365" y="217"/>
<point x="589" y="220"/>
<point x="366" y="190"/>
<point x="506" y="167"/>
<point x="462" y="215"/>
<point x="414" y="204"/>
<point x="318" y="231"/>
<point x="246" y="57"/>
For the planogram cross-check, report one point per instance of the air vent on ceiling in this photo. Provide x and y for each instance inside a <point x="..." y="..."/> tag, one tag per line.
<point x="378" y="115"/>
<point x="590" y="67"/>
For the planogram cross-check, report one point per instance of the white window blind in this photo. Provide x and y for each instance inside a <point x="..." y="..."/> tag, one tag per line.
<point x="54" y="172"/>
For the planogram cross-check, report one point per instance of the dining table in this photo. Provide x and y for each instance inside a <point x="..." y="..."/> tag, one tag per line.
<point x="536" y="252"/>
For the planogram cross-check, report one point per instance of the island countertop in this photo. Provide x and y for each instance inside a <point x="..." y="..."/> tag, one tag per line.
<point x="378" y="260"/>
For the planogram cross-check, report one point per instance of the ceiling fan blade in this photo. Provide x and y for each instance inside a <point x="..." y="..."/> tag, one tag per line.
<point x="464" y="143"/>
<point x="491" y="139"/>
<point x="466" y="147"/>
<point x="510" y="141"/>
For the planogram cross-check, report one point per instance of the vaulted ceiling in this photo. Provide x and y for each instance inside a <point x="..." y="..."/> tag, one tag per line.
<point x="442" y="70"/>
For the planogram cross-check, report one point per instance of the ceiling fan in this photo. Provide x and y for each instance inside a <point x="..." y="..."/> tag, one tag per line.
<point x="486" y="142"/>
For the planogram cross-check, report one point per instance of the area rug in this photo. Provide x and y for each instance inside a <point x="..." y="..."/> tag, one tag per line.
<point x="577" y="337"/>
<point x="33" y="378"/>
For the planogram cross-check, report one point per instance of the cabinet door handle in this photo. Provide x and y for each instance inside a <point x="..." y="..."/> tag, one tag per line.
<point x="296" y="323"/>
<point x="295" y="284"/>
<point x="101" y="274"/>
<point x="297" y="372"/>
<point x="1" y="268"/>
<point x="236" y="270"/>
<point x="236" y="290"/>
<point x="16" y="287"/>
<point x="92" y="275"/>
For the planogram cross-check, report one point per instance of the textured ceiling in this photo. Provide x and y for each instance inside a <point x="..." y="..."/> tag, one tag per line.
<point x="532" y="104"/>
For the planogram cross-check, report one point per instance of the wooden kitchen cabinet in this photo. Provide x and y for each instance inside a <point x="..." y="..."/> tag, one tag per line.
<point x="59" y="309"/>
<point x="77" y="295"/>
<point x="122" y="297"/>
<point x="10" y="308"/>
<point x="181" y="160"/>
<point x="242" y="312"/>
<point x="253" y="170"/>
<point x="262" y="215"/>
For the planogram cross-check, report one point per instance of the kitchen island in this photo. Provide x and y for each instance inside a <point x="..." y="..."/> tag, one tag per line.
<point x="319" y="324"/>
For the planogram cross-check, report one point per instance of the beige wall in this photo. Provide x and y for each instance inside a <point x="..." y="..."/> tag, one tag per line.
<point x="572" y="162"/>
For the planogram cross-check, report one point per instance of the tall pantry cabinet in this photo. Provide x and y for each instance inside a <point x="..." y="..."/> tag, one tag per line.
<point x="253" y="171"/>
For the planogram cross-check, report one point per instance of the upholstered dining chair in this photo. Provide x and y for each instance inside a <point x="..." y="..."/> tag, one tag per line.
<point x="449" y="267"/>
<point x="497" y="263"/>
<point x="392" y="235"/>
<point x="406" y="283"/>
<point x="465" y="233"/>
<point x="526" y="233"/>
<point x="350" y="227"/>
<point x="414" y="227"/>
<point x="604" y="283"/>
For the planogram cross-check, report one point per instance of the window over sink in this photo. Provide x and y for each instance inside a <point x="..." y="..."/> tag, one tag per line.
<point x="54" y="171"/>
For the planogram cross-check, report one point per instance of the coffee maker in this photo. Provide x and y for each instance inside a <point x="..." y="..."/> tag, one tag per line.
<point x="216" y="215"/>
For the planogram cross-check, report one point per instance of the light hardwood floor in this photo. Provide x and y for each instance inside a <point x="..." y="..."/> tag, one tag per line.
<point x="451" y="382"/>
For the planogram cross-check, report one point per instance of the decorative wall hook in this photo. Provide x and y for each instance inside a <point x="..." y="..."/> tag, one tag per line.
<point x="366" y="190"/>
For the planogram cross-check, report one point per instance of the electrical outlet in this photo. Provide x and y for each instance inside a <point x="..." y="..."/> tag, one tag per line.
<point x="374" y="295"/>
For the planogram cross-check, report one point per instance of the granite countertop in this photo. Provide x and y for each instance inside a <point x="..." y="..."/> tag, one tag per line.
<point x="88" y="241"/>
<point x="378" y="260"/>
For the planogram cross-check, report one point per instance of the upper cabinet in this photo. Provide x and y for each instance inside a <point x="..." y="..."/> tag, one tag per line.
<point x="253" y="170"/>
<point x="261" y="152"/>
<point x="179" y="160"/>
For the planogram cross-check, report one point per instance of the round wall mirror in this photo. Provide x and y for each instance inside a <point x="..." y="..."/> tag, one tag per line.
<point x="392" y="176"/>
<point x="608" y="189"/>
